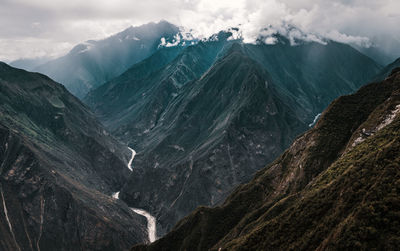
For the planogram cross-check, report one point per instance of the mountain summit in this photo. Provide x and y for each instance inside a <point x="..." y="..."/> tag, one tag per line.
<point x="204" y="118"/>
<point x="90" y="64"/>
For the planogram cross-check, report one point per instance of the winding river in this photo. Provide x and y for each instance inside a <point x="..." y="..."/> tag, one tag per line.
<point x="151" y="220"/>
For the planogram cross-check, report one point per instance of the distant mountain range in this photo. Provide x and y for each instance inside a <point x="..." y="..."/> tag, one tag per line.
<point x="58" y="169"/>
<point x="335" y="188"/>
<point x="90" y="64"/>
<point x="205" y="118"/>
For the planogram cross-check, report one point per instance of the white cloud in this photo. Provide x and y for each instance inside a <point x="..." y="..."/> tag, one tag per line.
<point x="343" y="38"/>
<point x="52" y="27"/>
<point x="271" y="40"/>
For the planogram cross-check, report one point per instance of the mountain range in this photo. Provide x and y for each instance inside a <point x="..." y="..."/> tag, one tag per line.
<point x="335" y="188"/>
<point x="204" y="118"/>
<point x="90" y="64"/>
<point x="237" y="146"/>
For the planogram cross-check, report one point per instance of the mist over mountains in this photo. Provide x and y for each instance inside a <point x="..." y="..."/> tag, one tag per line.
<point x="285" y="140"/>
<point x="94" y="62"/>
<point x="52" y="28"/>
<point x="90" y="64"/>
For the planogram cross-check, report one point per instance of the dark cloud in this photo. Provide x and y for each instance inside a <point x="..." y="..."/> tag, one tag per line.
<point x="32" y="28"/>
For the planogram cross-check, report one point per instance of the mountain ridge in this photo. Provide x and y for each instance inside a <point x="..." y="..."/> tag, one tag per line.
<point x="92" y="63"/>
<point x="156" y="111"/>
<point x="339" y="172"/>
<point x="387" y="70"/>
<point x="58" y="169"/>
<point x="223" y="118"/>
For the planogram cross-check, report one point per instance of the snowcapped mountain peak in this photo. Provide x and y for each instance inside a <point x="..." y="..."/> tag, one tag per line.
<point x="270" y="35"/>
<point x="183" y="38"/>
<point x="284" y="33"/>
<point x="236" y="34"/>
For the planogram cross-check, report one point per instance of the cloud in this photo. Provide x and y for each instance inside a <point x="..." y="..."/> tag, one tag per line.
<point x="31" y="28"/>
<point x="343" y="38"/>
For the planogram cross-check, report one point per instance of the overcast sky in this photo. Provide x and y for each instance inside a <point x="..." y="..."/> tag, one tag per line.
<point x="36" y="28"/>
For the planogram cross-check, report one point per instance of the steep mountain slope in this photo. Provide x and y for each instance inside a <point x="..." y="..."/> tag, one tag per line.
<point x="195" y="152"/>
<point x="131" y="104"/>
<point x="92" y="63"/>
<point x="314" y="73"/>
<point x="385" y="72"/>
<point x="181" y="130"/>
<point x="335" y="188"/>
<point x="57" y="166"/>
<point x="187" y="133"/>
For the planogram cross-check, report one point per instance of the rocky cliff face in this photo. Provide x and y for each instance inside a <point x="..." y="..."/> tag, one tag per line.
<point x="199" y="113"/>
<point x="58" y="169"/>
<point x="335" y="188"/>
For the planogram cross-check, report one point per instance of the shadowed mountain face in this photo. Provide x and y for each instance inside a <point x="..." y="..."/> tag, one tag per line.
<point x="142" y="93"/>
<point x="335" y="188"/>
<point x="314" y="74"/>
<point x="208" y="119"/>
<point x="385" y="72"/>
<point x="92" y="63"/>
<point x="57" y="166"/>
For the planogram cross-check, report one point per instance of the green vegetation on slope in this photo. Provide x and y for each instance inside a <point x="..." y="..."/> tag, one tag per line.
<point x="328" y="191"/>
